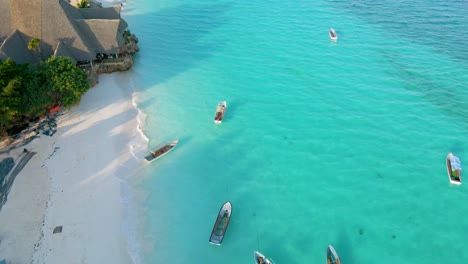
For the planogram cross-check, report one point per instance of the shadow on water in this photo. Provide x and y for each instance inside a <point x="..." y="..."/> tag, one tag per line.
<point x="344" y="249"/>
<point x="233" y="107"/>
<point x="275" y="252"/>
<point x="172" y="40"/>
<point x="457" y="148"/>
<point x="451" y="100"/>
<point x="442" y="27"/>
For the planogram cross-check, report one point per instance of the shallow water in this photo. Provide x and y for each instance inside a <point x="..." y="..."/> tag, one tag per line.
<point x="323" y="142"/>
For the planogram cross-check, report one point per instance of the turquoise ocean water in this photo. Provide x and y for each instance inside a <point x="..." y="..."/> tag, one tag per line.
<point x="323" y="142"/>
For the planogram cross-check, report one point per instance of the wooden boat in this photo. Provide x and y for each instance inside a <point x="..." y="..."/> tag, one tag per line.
<point x="332" y="256"/>
<point x="259" y="258"/>
<point x="332" y="33"/>
<point x="454" y="169"/>
<point x="220" y="109"/>
<point x="221" y="224"/>
<point x="161" y="151"/>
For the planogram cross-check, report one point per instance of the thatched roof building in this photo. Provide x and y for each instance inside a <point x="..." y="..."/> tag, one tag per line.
<point x="63" y="29"/>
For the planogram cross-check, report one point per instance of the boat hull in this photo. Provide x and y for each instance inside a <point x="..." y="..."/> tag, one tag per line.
<point x="332" y="256"/>
<point x="332" y="34"/>
<point x="220" y="111"/>
<point x="161" y="152"/>
<point x="452" y="179"/>
<point x="259" y="257"/>
<point x="221" y="224"/>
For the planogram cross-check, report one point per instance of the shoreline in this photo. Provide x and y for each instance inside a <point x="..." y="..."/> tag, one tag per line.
<point x="77" y="180"/>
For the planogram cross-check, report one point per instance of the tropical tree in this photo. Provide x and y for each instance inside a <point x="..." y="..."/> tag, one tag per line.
<point x="36" y="95"/>
<point x="11" y="82"/>
<point x="34" y="45"/>
<point x="28" y="90"/>
<point x="83" y="4"/>
<point x="9" y="70"/>
<point x="67" y="82"/>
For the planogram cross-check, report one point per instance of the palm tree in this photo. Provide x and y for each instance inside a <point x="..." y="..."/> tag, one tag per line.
<point x="83" y="4"/>
<point x="34" y="45"/>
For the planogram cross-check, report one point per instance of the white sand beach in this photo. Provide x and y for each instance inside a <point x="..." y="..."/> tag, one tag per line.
<point x="75" y="181"/>
<point x="22" y="215"/>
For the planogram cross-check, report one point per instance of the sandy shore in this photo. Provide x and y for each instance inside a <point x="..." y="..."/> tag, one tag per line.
<point x="75" y="181"/>
<point x="22" y="215"/>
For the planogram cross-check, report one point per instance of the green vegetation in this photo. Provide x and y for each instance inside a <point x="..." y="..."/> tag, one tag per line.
<point x="127" y="34"/>
<point x="28" y="91"/>
<point x="34" y="45"/>
<point x="83" y="4"/>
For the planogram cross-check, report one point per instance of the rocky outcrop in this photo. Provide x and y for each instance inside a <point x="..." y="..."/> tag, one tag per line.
<point x="130" y="47"/>
<point x="113" y="65"/>
<point x="123" y="63"/>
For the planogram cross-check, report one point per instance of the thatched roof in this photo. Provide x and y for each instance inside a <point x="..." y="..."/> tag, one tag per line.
<point x="101" y="13"/>
<point x="15" y="47"/>
<point x="103" y="34"/>
<point x="5" y="29"/>
<point x="63" y="51"/>
<point x="84" y="32"/>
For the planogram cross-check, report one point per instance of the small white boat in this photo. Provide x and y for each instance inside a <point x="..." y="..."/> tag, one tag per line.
<point x="332" y="33"/>
<point x="454" y="169"/>
<point x="161" y="151"/>
<point x="220" y="110"/>
<point x="221" y="224"/>
<point x="259" y="258"/>
<point x="332" y="256"/>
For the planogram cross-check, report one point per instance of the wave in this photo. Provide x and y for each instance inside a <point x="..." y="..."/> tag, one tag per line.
<point x="138" y="148"/>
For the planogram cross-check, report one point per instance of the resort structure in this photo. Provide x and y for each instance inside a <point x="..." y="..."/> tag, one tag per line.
<point x="83" y="34"/>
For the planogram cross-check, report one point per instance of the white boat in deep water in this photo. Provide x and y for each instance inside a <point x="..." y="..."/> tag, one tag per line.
<point x="220" y="110"/>
<point x="332" y="33"/>
<point x="259" y="258"/>
<point x="161" y="151"/>
<point x="454" y="169"/>
<point x="332" y="256"/>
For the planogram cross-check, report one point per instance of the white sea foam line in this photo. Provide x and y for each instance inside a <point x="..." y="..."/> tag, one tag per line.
<point x="139" y="144"/>
<point x="137" y="147"/>
<point x="141" y="117"/>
